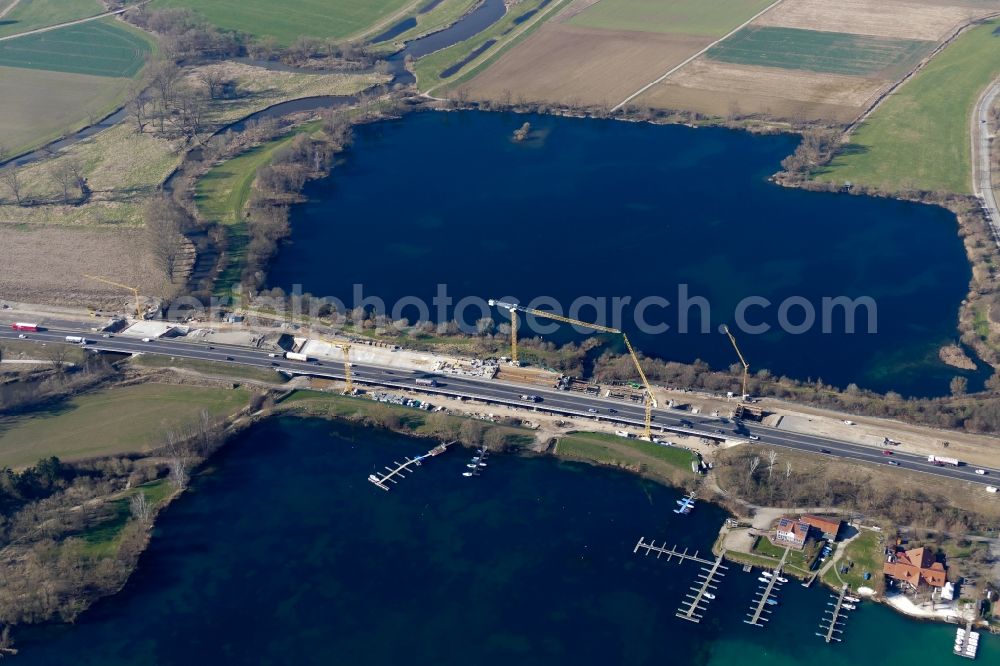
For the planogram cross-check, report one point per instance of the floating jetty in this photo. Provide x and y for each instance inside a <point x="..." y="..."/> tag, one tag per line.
<point x="832" y="622"/>
<point x="477" y="463"/>
<point x="694" y="605"/>
<point x="686" y="505"/>
<point x="759" y="611"/>
<point x="966" y="642"/>
<point x="392" y="475"/>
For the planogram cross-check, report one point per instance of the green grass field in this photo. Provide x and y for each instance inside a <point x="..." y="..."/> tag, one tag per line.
<point x="102" y="539"/>
<point x="216" y="368"/>
<point x="828" y="52"/>
<point x="98" y="48"/>
<point x="34" y="14"/>
<point x="689" y="17"/>
<point x="862" y="555"/>
<point x="919" y="137"/>
<point x="110" y="421"/>
<point x="287" y="20"/>
<point x="669" y="462"/>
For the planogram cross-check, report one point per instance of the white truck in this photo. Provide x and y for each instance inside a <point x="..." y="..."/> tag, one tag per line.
<point x="76" y="339"/>
<point x="938" y="460"/>
<point x="295" y="356"/>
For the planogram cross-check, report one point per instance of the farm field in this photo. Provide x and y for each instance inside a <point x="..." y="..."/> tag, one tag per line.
<point x="567" y="64"/>
<point x="688" y="17"/>
<point x="287" y="20"/>
<point x="98" y="48"/>
<point x="919" y="137"/>
<point x="810" y="60"/>
<point x="116" y="420"/>
<point x="37" y="106"/>
<point x="723" y="89"/>
<point x="829" y="52"/>
<point x="33" y="14"/>
<point x="598" y="54"/>
<point x="931" y="20"/>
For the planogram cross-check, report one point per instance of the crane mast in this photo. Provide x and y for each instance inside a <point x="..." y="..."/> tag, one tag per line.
<point x="134" y="290"/>
<point x="514" y="308"/>
<point x="743" y="361"/>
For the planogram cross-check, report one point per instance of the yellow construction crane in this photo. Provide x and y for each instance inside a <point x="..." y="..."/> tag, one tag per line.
<point x="746" y="366"/>
<point x="134" y="290"/>
<point x="649" y="401"/>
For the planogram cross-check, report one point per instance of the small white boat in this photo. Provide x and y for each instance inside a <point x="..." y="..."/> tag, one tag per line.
<point x="472" y="466"/>
<point x="708" y="595"/>
<point x="782" y="580"/>
<point x="763" y="580"/>
<point x="771" y="602"/>
<point x="766" y="574"/>
<point x="853" y="600"/>
<point x="849" y="606"/>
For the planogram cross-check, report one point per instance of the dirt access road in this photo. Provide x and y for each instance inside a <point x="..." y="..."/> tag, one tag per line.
<point x="982" y="176"/>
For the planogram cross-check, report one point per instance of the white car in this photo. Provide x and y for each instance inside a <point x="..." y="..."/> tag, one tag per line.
<point x="981" y="472"/>
<point x="754" y="438"/>
<point x="22" y="336"/>
<point x="147" y="339"/>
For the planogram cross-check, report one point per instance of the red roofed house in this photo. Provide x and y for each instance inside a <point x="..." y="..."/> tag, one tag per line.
<point x="829" y="527"/>
<point x="915" y="568"/>
<point x="791" y="532"/>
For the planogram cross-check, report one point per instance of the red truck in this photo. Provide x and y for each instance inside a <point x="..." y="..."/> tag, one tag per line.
<point x="20" y="326"/>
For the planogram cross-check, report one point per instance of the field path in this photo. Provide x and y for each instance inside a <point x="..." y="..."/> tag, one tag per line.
<point x="982" y="172"/>
<point x="68" y="23"/>
<point x="6" y="10"/>
<point x="699" y="53"/>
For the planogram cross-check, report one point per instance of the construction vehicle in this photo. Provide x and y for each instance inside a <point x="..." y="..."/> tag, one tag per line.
<point x="134" y="290"/>
<point x="743" y="361"/>
<point x="514" y="309"/>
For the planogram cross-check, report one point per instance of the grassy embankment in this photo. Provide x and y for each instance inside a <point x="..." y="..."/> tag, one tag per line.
<point x="34" y="14"/>
<point x="288" y="20"/>
<point x="222" y="194"/>
<point x="213" y="368"/>
<point x="443" y="15"/>
<point x="507" y="32"/>
<point x="395" y="417"/>
<point x="919" y="138"/>
<point x="102" y="539"/>
<point x="109" y="421"/>
<point x="672" y="464"/>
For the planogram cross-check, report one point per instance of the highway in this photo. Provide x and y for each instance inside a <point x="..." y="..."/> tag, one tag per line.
<point x="568" y="403"/>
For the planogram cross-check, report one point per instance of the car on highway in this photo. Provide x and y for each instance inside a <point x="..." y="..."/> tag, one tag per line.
<point x="147" y="339"/>
<point x="229" y="358"/>
<point x="826" y="451"/>
<point x="592" y="410"/>
<point x="754" y="438"/>
<point x="893" y="462"/>
<point x="106" y="335"/>
<point x="22" y="336"/>
<point x="981" y="472"/>
<point x="612" y="410"/>
<point x="886" y="452"/>
<point x="274" y="363"/>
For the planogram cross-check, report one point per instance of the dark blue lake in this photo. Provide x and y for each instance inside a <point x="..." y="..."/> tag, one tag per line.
<point x="283" y="553"/>
<point x="605" y="209"/>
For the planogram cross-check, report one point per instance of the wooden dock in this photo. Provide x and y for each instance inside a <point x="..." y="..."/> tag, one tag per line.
<point x="694" y="605"/>
<point x="671" y="553"/>
<point x="759" y="606"/>
<point x="831" y="626"/>
<point x="398" y="471"/>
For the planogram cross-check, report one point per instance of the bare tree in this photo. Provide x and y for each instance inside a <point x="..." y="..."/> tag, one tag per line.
<point x="142" y="510"/>
<point x="772" y="456"/>
<point x="215" y="81"/>
<point x="178" y="473"/>
<point x="137" y="105"/>
<point x="788" y="469"/>
<point x="12" y="180"/>
<point x="166" y="223"/>
<point x="58" y="355"/>
<point x="65" y="178"/>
